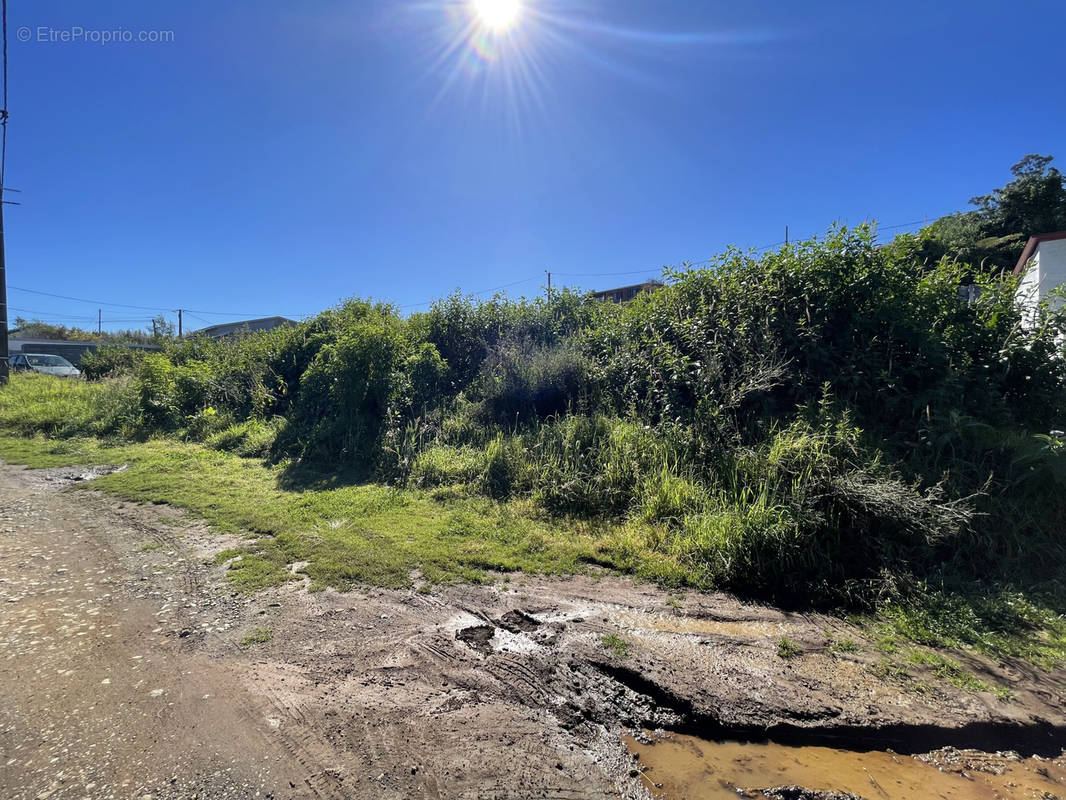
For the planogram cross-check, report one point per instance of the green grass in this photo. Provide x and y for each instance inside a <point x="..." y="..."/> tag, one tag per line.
<point x="257" y="635"/>
<point x="786" y="648"/>
<point x="999" y="623"/>
<point x="842" y="645"/>
<point x="375" y="535"/>
<point x="887" y="669"/>
<point x="949" y="671"/>
<point x="943" y="669"/>
<point x="351" y="535"/>
<point x="616" y="645"/>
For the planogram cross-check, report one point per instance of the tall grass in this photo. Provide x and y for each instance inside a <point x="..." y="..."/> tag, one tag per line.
<point x="62" y="407"/>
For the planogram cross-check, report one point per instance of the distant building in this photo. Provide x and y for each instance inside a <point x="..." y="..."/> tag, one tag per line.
<point x="624" y="294"/>
<point x="70" y="350"/>
<point x="246" y="326"/>
<point x="1043" y="267"/>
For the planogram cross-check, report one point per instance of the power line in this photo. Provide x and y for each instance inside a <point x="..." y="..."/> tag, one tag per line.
<point x="483" y="291"/>
<point x="626" y="272"/>
<point x="85" y="300"/>
<point x="709" y="260"/>
<point x="163" y="309"/>
<point x="240" y="313"/>
<point x="52" y="314"/>
<point x="194" y="312"/>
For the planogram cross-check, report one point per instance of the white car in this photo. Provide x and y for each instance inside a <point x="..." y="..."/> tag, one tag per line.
<point x="43" y="363"/>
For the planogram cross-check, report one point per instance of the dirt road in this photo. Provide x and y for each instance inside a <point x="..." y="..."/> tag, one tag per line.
<point x="129" y="669"/>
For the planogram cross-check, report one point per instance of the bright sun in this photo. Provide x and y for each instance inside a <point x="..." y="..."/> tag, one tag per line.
<point x="497" y="15"/>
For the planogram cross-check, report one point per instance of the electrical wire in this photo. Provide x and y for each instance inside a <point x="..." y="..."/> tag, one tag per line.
<point x="195" y="311"/>
<point x="627" y="272"/>
<point x="50" y="314"/>
<point x="162" y="309"/>
<point x="709" y="260"/>
<point x="84" y="300"/>
<point x="476" y="294"/>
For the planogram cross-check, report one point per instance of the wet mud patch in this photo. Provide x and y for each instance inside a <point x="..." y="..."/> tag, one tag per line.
<point x="56" y="478"/>
<point x="675" y="766"/>
<point x="518" y="621"/>
<point x="478" y="637"/>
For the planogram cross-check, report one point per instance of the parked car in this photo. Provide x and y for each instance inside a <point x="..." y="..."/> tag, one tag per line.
<point x="44" y="363"/>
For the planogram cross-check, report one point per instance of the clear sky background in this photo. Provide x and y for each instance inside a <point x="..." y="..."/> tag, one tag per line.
<point x="276" y="157"/>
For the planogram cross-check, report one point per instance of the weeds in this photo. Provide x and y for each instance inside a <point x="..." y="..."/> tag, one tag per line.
<point x="616" y="645"/>
<point x="257" y="635"/>
<point x="840" y="646"/>
<point x="786" y="648"/>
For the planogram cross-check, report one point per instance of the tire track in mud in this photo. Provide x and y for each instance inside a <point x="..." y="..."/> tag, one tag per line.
<point x="302" y="724"/>
<point x="395" y="694"/>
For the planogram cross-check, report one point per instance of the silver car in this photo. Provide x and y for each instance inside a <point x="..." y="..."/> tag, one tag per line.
<point x="43" y="363"/>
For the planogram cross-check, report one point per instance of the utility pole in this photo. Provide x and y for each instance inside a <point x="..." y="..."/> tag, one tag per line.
<point x="549" y="282"/>
<point x="3" y="281"/>
<point x="786" y="236"/>
<point x="179" y="323"/>
<point x="99" y="320"/>
<point x="3" y="262"/>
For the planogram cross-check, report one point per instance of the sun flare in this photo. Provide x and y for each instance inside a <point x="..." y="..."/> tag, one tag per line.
<point x="496" y="15"/>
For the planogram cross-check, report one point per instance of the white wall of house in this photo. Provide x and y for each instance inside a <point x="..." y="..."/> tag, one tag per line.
<point x="1046" y="271"/>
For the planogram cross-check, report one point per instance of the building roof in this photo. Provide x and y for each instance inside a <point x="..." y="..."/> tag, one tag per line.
<point x="1032" y="244"/>
<point x="632" y="288"/>
<point x="261" y="324"/>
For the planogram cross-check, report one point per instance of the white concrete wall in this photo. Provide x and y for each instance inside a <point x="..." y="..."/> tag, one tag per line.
<point x="1047" y="271"/>
<point x="1028" y="293"/>
<point x="1052" y="267"/>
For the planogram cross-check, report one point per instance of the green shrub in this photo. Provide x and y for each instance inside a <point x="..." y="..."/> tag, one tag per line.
<point x="669" y="498"/>
<point x="521" y="382"/>
<point x="110" y="361"/>
<point x="592" y="464"/>
<point x="340" y="411"/>
<point x="155" y="389"/>
<point x="826" y="423"/>
<point x="811" y="517"/>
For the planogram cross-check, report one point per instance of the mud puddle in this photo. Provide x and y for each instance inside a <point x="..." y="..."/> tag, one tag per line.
<point x="680" y="767"/>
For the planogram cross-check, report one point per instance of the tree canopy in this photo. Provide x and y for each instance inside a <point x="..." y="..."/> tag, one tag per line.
<point x="36" y="329"/>
<point x="992" y="236"/>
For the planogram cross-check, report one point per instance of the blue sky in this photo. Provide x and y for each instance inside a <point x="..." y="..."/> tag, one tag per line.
<point x="276" y="157"/>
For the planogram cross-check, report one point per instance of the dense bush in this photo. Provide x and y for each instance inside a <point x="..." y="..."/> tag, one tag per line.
<point x="110" y="361"/>
<point x="828" y="422"/>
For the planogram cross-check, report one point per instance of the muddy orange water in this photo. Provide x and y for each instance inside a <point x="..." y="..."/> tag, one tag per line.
<point x="689" y="768"/>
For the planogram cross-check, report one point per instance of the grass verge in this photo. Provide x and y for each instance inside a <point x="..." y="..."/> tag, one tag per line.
<point x="349" y="535"/>
<point x="368" y="534"/>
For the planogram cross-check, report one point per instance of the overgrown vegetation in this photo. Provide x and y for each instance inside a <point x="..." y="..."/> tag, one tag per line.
<point x="161" y="330"/>
<point x="826" y="425"/>
<point x="992" y="235"/>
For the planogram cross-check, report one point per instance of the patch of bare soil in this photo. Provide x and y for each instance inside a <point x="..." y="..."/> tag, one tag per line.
<point x="122" y="675"/>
